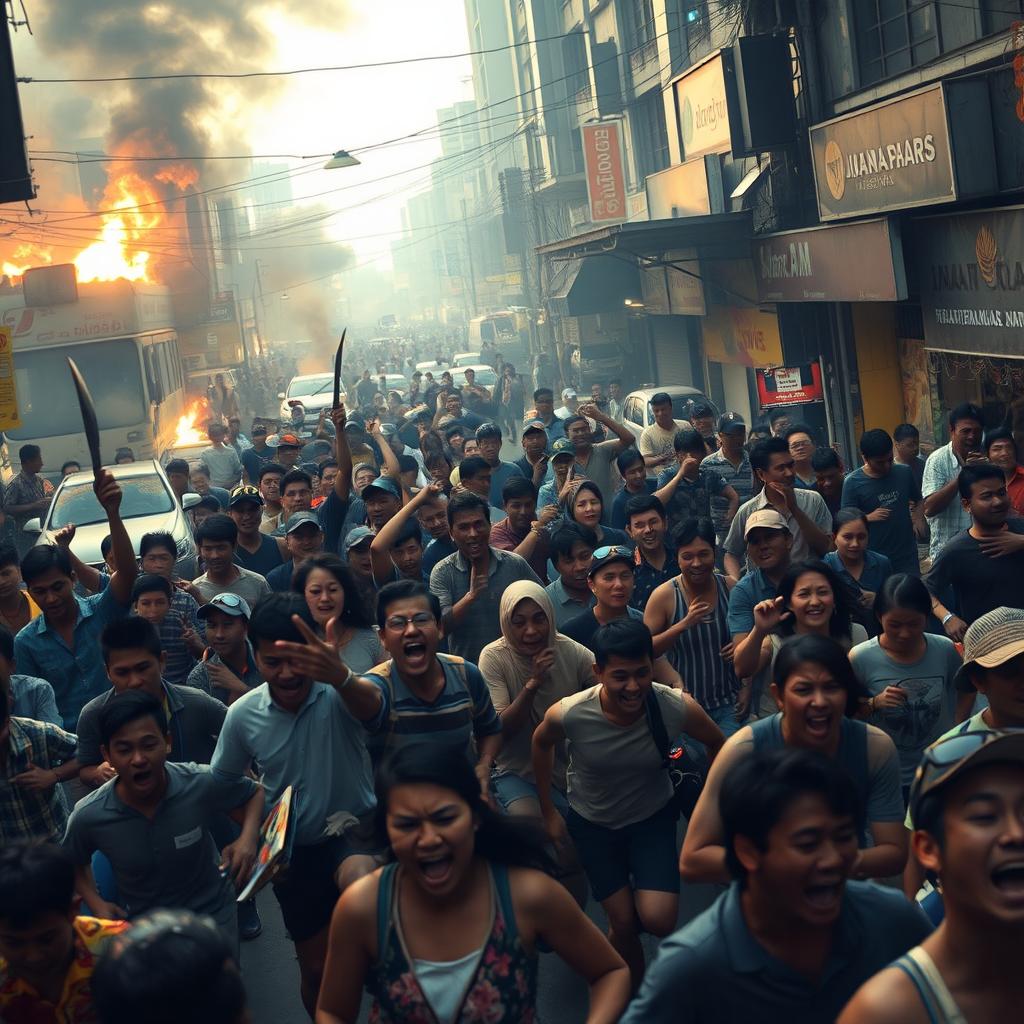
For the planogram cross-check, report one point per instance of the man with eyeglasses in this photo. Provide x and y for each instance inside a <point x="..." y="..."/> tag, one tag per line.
<point x="966" y="806"/>
<point x="419" y="695"/>
<point x="804" y="511"/>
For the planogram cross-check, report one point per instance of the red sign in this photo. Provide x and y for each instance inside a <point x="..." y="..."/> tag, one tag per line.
<point x="606" y="180"/>
<point x="789" y="385"/>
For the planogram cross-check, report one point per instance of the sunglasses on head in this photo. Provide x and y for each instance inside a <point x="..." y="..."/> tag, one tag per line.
<point x="616" y="549"/>
<point x="939" y="758"/>
<point x="231" y="600"/>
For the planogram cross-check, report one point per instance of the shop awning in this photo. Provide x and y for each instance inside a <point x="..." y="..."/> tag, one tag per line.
<point x="598" y="284"/>
<point x="718" y="236"/>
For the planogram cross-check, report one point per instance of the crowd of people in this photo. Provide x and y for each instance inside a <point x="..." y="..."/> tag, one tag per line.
<point x="496" y="685"/>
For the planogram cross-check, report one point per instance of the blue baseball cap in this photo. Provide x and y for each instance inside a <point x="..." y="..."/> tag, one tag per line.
<point x="297" y="519"/>
<point x="229" y="604"/>
<point x="357" y="536"/>
<point x="384" y="484"/>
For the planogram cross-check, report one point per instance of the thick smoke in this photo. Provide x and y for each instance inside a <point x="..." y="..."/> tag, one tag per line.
<point x="180" y="117"/>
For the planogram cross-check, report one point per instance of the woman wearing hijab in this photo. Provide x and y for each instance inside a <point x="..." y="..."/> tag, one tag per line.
<point x="531" y="667"/>
<point x="583" y="503"/>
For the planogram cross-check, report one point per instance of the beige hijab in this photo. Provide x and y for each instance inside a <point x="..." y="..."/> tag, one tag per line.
<point x="506" y="671"/>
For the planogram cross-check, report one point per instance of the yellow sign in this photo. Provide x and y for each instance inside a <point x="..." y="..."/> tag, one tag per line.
<point x="9" y="417"/>
<point x="746" y="336"/>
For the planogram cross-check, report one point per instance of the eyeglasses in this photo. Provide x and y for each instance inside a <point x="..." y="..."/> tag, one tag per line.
<point x="420" y="619"/>
<point x="616" y="549"/>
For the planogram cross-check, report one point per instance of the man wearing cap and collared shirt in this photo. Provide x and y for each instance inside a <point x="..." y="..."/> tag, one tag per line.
<point x="656" y="442"/>
<point x="228" y="668"/>
<point x="562" y="459"/>
<point x="769" y="543"/>
<point x="287" y="450"/>
<point x="360" y="561"/>
<point x="304" y="538"/>
<point x="570" y="403"/>
<point x="256" y="551"/>
<point x="534" y="462"/>
<point x="732" y="463"/>
<point x="969" y="833"/>
<point x="488" y="437"/>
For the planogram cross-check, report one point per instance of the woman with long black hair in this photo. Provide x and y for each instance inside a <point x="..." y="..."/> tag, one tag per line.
<point x="448" y="931"/>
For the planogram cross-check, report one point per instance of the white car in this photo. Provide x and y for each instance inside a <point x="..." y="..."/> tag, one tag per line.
<point x="315" y="391"/>
<point x="485" y="376"/>
<point x="637" y="412"/>
<point x="148" y="505"/>
<point x="466" y="359"/>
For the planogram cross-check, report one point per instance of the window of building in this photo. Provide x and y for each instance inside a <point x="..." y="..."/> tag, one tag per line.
<point x="640" y="24"/>
<point x="650" y="135"/>
<point x="574" y="55"/>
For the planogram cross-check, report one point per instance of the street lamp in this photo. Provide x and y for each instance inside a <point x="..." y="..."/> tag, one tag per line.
<point x="343" y="158"/>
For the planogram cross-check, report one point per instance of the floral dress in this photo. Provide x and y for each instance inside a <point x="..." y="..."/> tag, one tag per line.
<point x="502" y="988"/>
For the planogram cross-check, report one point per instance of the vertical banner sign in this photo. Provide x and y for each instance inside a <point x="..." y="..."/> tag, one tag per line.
<point x="606" y="181"/>
<point x="789" y="385"/>
<point x="9" y="418"/>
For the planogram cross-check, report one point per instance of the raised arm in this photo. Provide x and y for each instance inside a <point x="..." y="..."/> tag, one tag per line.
<point x="86" y="574"/>
<point x="620" y="430"/>
<point x="391" y="467"/>
<point x="384" y="541"/>
<point x="126" y="568"/>
<point x="342" y="453"/>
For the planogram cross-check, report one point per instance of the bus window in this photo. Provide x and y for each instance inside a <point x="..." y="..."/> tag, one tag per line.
<point x="46" y="396"/>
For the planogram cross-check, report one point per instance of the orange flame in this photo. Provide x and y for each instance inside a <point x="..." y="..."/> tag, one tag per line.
<point x="188" y="433"/>
<point x="134" y="209"/>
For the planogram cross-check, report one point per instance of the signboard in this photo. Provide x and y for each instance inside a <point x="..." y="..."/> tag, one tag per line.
<point x="691" y="189"/>
<point x="9" y="417"/>
<point x="789" y="385"/>
<point x="892" y="156"/>
<point x="685" y="287"/>
<point x="971" y="281"/>
<point x="606" y="180"/>
<point x="742" y="336"/>
<point x="654" y="289"/>
<point x="702" y="109"/>
<point x="861" y="262"/>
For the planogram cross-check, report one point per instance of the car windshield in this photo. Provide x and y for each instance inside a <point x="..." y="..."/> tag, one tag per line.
<point x="310" y="385"/>
<point x="47" y="401"/>
<point x="682" y="404"/>
<point x="485" y="376"/>
<point x="143" y="496"/>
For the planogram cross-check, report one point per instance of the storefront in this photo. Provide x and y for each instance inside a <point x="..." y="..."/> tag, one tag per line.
<point x="835" y="288"/>
<point x="970" y="277"/>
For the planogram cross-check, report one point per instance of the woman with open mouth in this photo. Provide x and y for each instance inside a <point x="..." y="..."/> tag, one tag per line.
<point x="448" y="931"/>
<point x="331" y="592"/>
<point x="811" y="600"/>
<point x="817" y="695"/>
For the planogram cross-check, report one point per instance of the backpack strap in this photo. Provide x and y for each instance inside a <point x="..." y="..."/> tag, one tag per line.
<point x="656" y="724"/>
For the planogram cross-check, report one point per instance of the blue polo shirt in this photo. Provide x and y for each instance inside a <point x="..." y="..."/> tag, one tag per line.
<point x="753" y="588"/>
<point x="713" y="970"/>
<point x="76" y="675"/>
<point x="500" y="475"/>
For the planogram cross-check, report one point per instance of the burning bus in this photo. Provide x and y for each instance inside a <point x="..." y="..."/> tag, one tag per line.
<point x="121" y="334"/>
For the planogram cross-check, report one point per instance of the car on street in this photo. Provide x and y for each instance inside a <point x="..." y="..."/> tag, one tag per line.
<point x="148" y="505"/>
<point x="636" y="407"/>
<point x="397" y="382"/>
<point x="314" y="391"/>
<point x="485" y="376"/>
<point x="465" y="359"/>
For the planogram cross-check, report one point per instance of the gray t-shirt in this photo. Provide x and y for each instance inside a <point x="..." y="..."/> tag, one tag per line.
<point x="892" y="537"/>
<point x="171" y="859"/>
<point x="616" y="776"/>
<point x="931" y="695"/>
<point x="224" y="465"/>
<point x="249" y="585"/>
<point x="194" y="725"/>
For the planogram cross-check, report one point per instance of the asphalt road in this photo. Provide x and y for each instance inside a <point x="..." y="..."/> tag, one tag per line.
<point x="272" y="977"/>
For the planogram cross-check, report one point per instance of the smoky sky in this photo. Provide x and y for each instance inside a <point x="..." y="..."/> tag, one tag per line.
<point x="180" y="117"/>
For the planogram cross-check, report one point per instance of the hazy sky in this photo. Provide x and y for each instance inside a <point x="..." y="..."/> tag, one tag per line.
<point x="311" y="113"/>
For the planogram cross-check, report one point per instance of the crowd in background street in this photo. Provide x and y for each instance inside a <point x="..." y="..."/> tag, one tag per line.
<point x="495" y="684"/>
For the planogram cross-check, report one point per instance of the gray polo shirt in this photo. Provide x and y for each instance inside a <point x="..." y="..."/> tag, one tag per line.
<point x="811" y="503"/>
<point x="171" y="860"/>
<point x="248" y="585"/>
<point x="320" y="750"/>
<point x="449" y="581"/>
<point x="566" y="606"/>
<point x="713" y="970"/>
<point x="195" y="722"/>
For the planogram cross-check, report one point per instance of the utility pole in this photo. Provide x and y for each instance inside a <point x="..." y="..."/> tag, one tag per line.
<point x="469" y="261"/>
